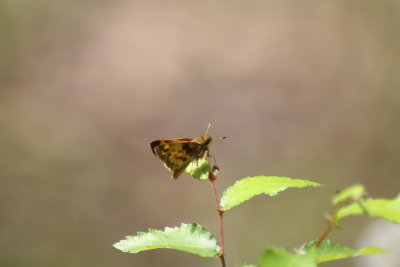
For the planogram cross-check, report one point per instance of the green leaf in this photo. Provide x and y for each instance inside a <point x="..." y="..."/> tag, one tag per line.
<point x="191" y="238"/>
<point x="328" y="251"/>
<point x="355" y="192"/>
<point x="388" y="209"/>
<point x="248" y="265"/>
<point x="198" y="169"/>
<point x="277" y="257"/>
<point x="249" y="187"/>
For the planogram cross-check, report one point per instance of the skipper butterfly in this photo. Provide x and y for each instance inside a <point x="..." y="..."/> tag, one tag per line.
<point x="177" y="154"/>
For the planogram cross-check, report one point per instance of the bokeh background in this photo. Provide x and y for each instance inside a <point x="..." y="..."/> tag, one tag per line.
<point x="305" y="89"/>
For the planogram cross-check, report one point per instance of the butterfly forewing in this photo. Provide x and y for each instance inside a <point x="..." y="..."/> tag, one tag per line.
<point x="177" y="154"/>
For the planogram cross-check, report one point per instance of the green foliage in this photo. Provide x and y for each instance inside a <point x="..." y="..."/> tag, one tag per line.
<point x="309" y="256"/>
<point x="191" y="238"/>
<point x="278" y="257"/>
<point x="249" y="187"/>
<point x="198" y="169"/>
<point x="328" y="251"/>
<point x="196" y="239"/>
<point x="355" y="192"/>
<point x="383" y="208"/>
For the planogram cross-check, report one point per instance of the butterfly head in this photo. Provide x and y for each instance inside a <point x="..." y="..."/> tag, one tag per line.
<point x="204" y="140"/>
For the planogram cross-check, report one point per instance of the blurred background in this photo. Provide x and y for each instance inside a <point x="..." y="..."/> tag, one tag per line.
<point x="304" y="89"/>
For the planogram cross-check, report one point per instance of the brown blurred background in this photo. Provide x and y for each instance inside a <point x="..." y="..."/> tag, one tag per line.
<point x="305" y="89"/>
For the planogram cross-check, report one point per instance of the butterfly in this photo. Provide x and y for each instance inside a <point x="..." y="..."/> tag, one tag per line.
<point x="177" y="154"/>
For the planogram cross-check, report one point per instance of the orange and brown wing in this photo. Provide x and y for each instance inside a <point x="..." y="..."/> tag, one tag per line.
<point x="176" y="154"/>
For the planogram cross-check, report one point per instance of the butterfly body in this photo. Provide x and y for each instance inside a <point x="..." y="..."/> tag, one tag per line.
<point x="177" y="154"/>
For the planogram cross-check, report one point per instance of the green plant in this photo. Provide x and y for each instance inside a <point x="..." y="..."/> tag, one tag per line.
<point x="196" y="239"/>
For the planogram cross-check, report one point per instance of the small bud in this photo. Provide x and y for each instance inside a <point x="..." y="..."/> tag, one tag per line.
<point x="215" y="170"/>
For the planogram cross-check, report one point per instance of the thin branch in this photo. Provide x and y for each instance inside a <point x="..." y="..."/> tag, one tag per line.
<point x="324" y="234"/>
<point x="212" y="178"/>
<point x="331" y="222"/>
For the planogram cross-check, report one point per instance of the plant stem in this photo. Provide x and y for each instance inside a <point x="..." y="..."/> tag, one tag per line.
<point x="212" y="178"/>
<point x="325" y="233"/>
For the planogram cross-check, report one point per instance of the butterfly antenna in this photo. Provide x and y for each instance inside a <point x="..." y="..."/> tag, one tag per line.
<point x="209" y="125"/>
